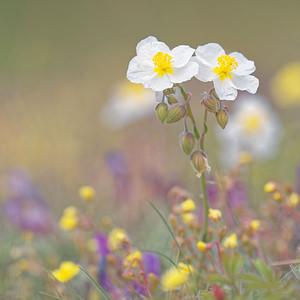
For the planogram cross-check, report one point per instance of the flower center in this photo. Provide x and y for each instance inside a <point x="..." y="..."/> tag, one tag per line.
<point x="163" y="64"/>
<point x="226" y="65"/>
<point x="252" y="123"/>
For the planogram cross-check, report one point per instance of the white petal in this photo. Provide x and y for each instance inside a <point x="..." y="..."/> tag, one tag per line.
<point x="181" y="55"/>
<point x="205" y="71"/>
<point x="147" y="51"/>
<point x="157" y="83"/>
<point x="139" y="73"/>
<point x="185" y="73"/>
<point x="245" y="66"/>
<point x="209" y="53"/>
<point x="245" y="83"/>
<point x="147" y="41"/>
<point x="224" y="89"/>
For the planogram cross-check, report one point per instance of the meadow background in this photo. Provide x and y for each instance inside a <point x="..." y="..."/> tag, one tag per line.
<point x="58" y="60"/>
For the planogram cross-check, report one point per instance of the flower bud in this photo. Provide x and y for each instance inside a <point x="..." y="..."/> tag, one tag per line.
<point x="172" y="99"/>
<point x="162" y="111"/>
<point x="222" y="117"/>
<point x="176" y="113"/>
<point x="186" y="141"/>
<point x="210" y="103"/>
<point x="169" y="91"/>
<point x="199" y="162"/>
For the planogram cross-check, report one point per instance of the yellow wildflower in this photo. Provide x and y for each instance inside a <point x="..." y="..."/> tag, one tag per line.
<point x="188" y="218"/>
<point x="270" y="187"/>
<point x="201" y="246"/>
<point x="132" y="258"/>
<point x="69" y="218"/>
<point x="176" y="277"/>
<point x="116" y="238"/>
<point x="231" y="241"/>
<point x="67" y="270"/>
<point x="215" y="214"/>
<point x="293" y="200"/>
<point x="277" y="196"/>
<point x="87" y="192"/>
<point x="286" y="86"/>
<point x="255" y="224"/>
<point x="188" y="205"/>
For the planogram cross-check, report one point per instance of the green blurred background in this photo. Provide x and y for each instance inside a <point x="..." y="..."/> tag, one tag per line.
<point x="59" y="58"/>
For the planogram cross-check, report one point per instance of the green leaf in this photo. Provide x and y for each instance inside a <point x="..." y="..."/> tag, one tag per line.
<point x="264" y="270"/>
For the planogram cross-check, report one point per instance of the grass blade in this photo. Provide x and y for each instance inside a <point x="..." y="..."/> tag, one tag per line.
<point x="96" y="284"/>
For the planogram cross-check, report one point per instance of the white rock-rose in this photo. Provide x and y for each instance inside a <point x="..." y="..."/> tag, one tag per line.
<point x="157" y="67"/>
<point x="229" y="73"/>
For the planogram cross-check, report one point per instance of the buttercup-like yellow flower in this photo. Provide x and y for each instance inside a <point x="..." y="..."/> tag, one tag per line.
<point x="69" y="218"/>
<point x="254" y="225"/>
<point x="201" y="246"/>
<point x="215" y="214"/>
<point x="176" y="277"/>
<point x="132" y="257"/>
<point x="270" y="187"/>
<point x="231" y="241"/>
<point x="87" y="192"/>
<point x="293" y="200"/>
<point x="67" y="271"/>
<point x="116" y="238"/>
<point x="188" y="205"/>
<point x="188" y="218"/>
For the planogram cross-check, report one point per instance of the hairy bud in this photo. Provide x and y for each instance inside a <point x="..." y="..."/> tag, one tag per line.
<point x="199" y="162"/>
<point x="176" y="113"/>
<point x="209" y="102"/>
<point x="222" y="117"/>
<point x="162" y="111"/>
<point x="172" y="99"/>
<point x="186" y="141"/>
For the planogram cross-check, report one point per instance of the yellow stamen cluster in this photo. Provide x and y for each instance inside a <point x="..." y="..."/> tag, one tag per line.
<point x="163" y="64"/>
<point x="245" y="158"/>
<point x="252" y="123"/>
<point x="69" y="219"/>
<point x="67" y="270"/>
<point x="226" y="65"/>
<point x="215" y="214"/>
<point x="231" y="241"/>
<point x="116" y="238"/>
<point x="87" y="192"/>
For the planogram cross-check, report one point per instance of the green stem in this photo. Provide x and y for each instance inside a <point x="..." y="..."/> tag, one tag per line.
<point x="203" y="182"/>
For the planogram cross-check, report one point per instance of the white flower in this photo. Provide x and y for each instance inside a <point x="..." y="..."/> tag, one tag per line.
<point x="253" y="127"/>
<point x="157" y="67"/>
<point x="127" y="103"/>
<point x="228" y="72"/>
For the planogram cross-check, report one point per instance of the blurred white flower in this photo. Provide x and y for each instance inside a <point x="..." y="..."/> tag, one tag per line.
<point x="127" y="103"/>
<point x="253" y="127"/>
<point x="228" y="72"/>
<point x="157" y="67"/>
